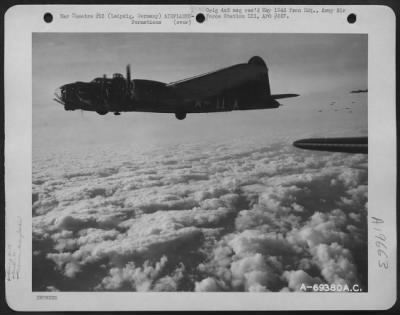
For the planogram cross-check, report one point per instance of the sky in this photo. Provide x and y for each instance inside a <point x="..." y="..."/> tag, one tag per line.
<point x="322" y="68"/>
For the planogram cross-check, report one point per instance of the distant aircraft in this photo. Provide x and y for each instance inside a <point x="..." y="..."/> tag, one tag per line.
<point x="359" y="91"/>
<point x="242" y="86"/>
<point x="346" y="145"/>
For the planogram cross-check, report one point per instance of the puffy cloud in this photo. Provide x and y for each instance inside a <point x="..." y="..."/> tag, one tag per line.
<point x="253" y="273"/>
<point x="336" y="263"/>
<point x="298" y="278"/>
<point x="252" y="241"/>
<point x="324" y="228"/>
<point x="224" y="217"/>
<point x="52" y="289"/>
<point x="132" y="277"/>
<point x="207" y="285"/>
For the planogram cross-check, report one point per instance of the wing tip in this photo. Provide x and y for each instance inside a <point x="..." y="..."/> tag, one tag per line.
<point x="344" y="145"/>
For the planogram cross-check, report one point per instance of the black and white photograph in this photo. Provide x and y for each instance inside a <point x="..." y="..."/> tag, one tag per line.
<point x="200" y="157"/>
<point x="199" y="162"/>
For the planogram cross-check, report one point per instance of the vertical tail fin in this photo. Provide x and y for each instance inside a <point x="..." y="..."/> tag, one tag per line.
<point x="256" y="60"/>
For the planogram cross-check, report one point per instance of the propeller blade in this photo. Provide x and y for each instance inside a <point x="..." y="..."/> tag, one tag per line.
<point x="128" y="74"/>
<point x="58" y="101"/>
<point x="130" y="84"/>
<point x="102" y="83"/>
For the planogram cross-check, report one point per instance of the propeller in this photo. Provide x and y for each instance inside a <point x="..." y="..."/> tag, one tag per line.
<point x="105" y="91"/>
<point x="58" y="101"/>
<point x="58" y="96"/>
<point x="128" y="74"/>
<point x="102" y="84"/>
<point x="129" y="83"/>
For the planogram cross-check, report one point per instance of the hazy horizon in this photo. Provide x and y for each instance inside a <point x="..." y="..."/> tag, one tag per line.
<point x="322" y="68"/>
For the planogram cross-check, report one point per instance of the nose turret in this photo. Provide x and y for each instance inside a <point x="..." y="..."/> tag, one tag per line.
<point x="73" y="96"/>
<point x="59" y="94"/>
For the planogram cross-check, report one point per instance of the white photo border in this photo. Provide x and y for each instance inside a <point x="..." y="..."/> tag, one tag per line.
<point x="376" y="21"/>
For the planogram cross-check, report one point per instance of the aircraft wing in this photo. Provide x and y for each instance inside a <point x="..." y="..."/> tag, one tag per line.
<point x="346" y="145"/>
<point x="216" y="82"/>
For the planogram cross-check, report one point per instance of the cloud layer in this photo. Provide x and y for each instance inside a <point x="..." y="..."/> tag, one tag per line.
<point x="200" y="218"/>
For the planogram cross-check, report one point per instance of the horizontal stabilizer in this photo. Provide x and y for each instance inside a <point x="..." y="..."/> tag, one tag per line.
<point x="278" y="96"/>
<point x="347" y="145"/>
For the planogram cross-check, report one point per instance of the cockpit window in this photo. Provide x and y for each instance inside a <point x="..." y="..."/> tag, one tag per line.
<point x="97" y="80"/>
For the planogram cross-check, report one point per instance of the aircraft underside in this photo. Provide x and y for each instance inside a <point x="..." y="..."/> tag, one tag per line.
<point x="180" y="110"/>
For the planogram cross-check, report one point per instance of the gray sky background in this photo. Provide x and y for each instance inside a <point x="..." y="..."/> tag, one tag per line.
<point x="322" y="68"/>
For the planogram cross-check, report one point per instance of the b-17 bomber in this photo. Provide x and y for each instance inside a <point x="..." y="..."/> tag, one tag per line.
<point x="242" y="86"/>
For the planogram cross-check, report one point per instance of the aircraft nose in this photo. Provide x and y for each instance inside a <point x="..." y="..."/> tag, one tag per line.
<point x="59" y="95"/>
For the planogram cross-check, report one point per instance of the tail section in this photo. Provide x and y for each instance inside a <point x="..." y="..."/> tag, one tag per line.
<point x="256" y="60"/>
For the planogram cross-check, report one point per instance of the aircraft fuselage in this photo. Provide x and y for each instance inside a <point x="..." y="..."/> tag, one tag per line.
<point x="156" y="97"/>
<point x="239" y="87"/>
